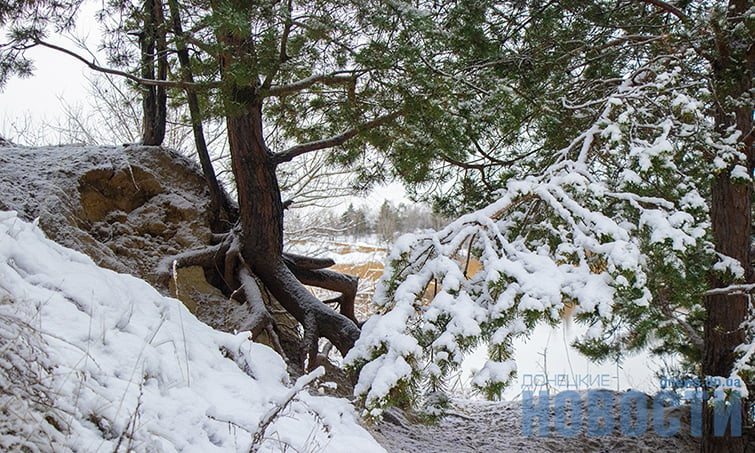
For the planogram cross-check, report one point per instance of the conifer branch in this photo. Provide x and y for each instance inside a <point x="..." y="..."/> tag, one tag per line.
<point x="142" y="81"/>
<point x="303" y="84"/>
<point x="336" y="140"/>
<point x="669" y="8"/>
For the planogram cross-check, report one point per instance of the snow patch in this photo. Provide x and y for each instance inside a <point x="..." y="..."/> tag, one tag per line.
<point x="137" y="369"/>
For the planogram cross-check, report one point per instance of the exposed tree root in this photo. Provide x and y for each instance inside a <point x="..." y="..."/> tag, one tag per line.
<point x="244" y="282"/>
<point x="261" y="319"/>
<point x="345" y="284"/>
<point x="307" y="262"/>
<point x="318" y="319"/>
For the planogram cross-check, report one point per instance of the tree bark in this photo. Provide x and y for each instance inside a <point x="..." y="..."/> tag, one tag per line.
<point x="731" y="218"/>
<point x="154" y="53"/>
<point x="723" y="332"/>
<point x="261" y="218"/>
<point x="261" y="210"/>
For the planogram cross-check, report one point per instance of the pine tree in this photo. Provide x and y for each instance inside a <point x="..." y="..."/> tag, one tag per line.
<point x="289" y="79"/>
<point x="604" y="148"/>
<point x="608" y="148"/>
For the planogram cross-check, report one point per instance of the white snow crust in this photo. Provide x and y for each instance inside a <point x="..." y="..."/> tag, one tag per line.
<point x="125" y="368"/>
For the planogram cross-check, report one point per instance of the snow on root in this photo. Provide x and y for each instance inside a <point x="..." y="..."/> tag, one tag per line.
<point x="111" y="365"/>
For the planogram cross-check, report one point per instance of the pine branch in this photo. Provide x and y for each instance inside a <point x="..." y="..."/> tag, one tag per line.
<point x="303" y="84"/>
<point x="669" y="8"/>
<point x="336" y="140"/>
<point x="283" y="54"/>
<point x="142" y="81"/>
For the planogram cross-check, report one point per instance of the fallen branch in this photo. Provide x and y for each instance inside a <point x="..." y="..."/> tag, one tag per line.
<point x="287" y="398"/>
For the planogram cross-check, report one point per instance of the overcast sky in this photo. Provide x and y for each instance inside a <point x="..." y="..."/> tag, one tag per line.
<point x="56" y="77"/>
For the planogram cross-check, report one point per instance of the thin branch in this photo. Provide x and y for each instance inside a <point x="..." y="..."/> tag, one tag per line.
<point x="692" y="334"/>
<point x="336" y="140"/>
<point x="281" y="404"/>
<point x="461" y="80"/>
<point x="732" y="290"/>
<point x="139" y="80"/>
<point x="303" y="84"/>
<point x="464" y="165"/>
<point x="344" y="47"/>
<point x="669" y="8"/>
<point x="283" y="55"/>
<point x="498" y="161"/>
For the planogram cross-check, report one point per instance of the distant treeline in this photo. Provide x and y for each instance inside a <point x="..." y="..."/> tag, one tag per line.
<point x="384" y="223"/>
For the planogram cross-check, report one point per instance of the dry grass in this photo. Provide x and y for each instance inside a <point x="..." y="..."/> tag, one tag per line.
<point x="29" y="420"/>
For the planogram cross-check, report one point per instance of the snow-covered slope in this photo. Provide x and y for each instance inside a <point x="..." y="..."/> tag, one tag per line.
<point x="126" y="207"/>
<point x="94" y="361"/>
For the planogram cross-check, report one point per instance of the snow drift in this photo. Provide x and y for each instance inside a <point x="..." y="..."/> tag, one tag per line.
<point x="94" y="360"/>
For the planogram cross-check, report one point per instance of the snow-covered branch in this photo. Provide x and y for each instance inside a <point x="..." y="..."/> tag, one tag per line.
<point x="589" y="231"/>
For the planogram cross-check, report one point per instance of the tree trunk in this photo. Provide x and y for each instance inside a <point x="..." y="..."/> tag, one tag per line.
<point x="261" y="207"/>
<point x="731" y="218"/>
<point x="154" y="50"/>
<point x="222" y="215"/>
<point x="261" y="217"/>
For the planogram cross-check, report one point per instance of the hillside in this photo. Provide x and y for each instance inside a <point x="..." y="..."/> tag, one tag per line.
<point x="94" y="360"/>
<point x="126" y="207"/>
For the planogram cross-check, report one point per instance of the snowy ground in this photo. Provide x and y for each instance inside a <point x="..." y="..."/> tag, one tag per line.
<point x="108" y="364"/>
<point x="93" y="360"/>
<point x="99" y="361"/>
<point x="481" y="426"/>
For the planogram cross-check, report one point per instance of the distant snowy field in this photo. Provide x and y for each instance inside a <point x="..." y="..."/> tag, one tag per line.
<point x="98" y="361"/>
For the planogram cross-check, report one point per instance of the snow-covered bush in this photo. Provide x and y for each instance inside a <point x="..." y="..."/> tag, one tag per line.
<point x="615" y="224"/>
<point x="28" y="419"/>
